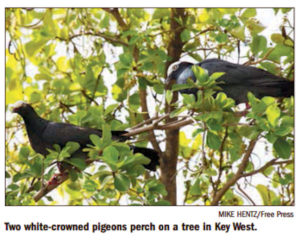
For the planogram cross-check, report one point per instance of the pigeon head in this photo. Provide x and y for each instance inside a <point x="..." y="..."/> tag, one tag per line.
<point x="180" y="72"/>
<point x="22" y="108"/>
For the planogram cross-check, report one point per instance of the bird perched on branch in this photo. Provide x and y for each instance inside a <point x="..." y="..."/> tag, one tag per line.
<point x="237" y="80"/>
<point x="43" y="134"/>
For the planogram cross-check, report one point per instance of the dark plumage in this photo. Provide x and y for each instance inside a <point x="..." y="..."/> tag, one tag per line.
<point x="238" y="80"/>
<point x="43" y="134"/>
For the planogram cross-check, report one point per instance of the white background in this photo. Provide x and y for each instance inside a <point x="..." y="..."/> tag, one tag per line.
<point x="271" y="229"/>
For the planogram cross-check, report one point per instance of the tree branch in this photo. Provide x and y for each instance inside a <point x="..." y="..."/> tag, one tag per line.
<point x="169" y="126"/>
<point x="265" y="166"/>
<point x="97" y="34"/>
<point x="49" y="187"/>
<point x="218" y="195"/>
<point x="60" y="179"/>
<point x="115" y="12"/>
<point x="176" y="124"/>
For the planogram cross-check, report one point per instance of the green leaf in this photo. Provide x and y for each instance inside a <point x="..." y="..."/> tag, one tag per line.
<point x="134" y="101"/>
<point x="158" y="188"/>
<point x="277" y="38"/>
<point x="213" y="124"/>
<point x="62" y="64"/>
<point x="211" y="172"/>
<point x="71" y="147"/>
<point x="36" y="168"/>
<point x="221" y="38"/>
<point x="96" y="140"/>
<point x="7" y="175"/>
<point x="185" y="35"/>
<point x="286" y="126"/>
<point x="140" y="159"/>
<point x="161" y="13"/>
<point x="19" y="176"/>
<point x="268" y="171"/>
<point x="90" y="185"/>
<point x="268" y="196"/>
<point x="111" y="154"/>
<point x="259" y="43"/>
<point x="106" y="135"/>
<point x="254" y="26"/>
<point x="77" y="162"/>
<point x="35" y="97"/>
<point x="33" y="46"/>
<point x="73" y="175"/>
<point x="282" y="148"/>
<point x="279" y="51"/>
<point x="248" y="13"/>
<point x="252" y="99"/>
<point x="169" y="96"/>
<point x="110" y="108"/>
<point x="178" y="87"/>
<point x="24" y="153"/>
<point x="121" y="182"/>
<point x="271" y="137"/>
<point x="126" y="59"/>
<point x="216" y="75"/>
<point x="239" y="32"/>
<point x="188" y="99"/>
<point x="223" y="101"/>
<point x="13" y="187"/>
<point x="268" y="100"/>
<point x="263" y="192"/>
<point x="159" y="88"/>
<point x="288" y="178"/>
<point x="195" y="189"/>
<point x="273" y="113"/>
<point x="286" y="10"/>
<point x="213" y="141"/>
<point x="177" y="111"/>
<point x="200" y="73"/>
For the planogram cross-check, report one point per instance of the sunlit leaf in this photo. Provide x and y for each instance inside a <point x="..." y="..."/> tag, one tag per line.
<point x="273" y="113"/>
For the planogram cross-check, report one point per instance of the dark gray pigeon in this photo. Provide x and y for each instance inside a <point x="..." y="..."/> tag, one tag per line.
<point x="43" y="134"/>
<point x="237" y="81"/>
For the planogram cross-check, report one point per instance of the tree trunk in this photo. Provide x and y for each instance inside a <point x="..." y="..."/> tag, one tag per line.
<point x="170" y="156"/>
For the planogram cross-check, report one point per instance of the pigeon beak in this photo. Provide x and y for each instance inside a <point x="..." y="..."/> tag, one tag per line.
<point x="16" y="107"/>
<point x="168" y="79"/>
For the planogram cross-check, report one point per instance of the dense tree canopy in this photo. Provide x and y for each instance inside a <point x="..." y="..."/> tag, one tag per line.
<point x="106" y="69"/>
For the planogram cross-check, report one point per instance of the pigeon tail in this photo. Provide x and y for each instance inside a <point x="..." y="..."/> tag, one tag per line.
<point x="149" y="153"/>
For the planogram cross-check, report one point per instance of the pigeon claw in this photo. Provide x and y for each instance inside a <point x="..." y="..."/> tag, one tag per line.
<point x="56" y="179"/>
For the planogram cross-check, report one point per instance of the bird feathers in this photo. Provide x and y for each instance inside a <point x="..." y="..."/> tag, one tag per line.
<point x="43" y="134"/>
<point x="237" y="80"/>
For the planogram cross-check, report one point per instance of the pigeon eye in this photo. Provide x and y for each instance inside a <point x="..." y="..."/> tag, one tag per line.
<point x="175" y="67"/>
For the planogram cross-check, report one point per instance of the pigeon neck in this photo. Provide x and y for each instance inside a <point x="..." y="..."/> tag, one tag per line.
<point x="34" y="123"/>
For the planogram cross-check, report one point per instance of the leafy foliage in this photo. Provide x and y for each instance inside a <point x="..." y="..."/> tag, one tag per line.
<point x="90" y="67"/>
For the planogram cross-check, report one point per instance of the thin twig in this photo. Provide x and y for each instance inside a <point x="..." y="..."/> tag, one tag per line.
<point x="245" y="194"/>
<point x="144" y="122"/>
<point x="221" y="158"/>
